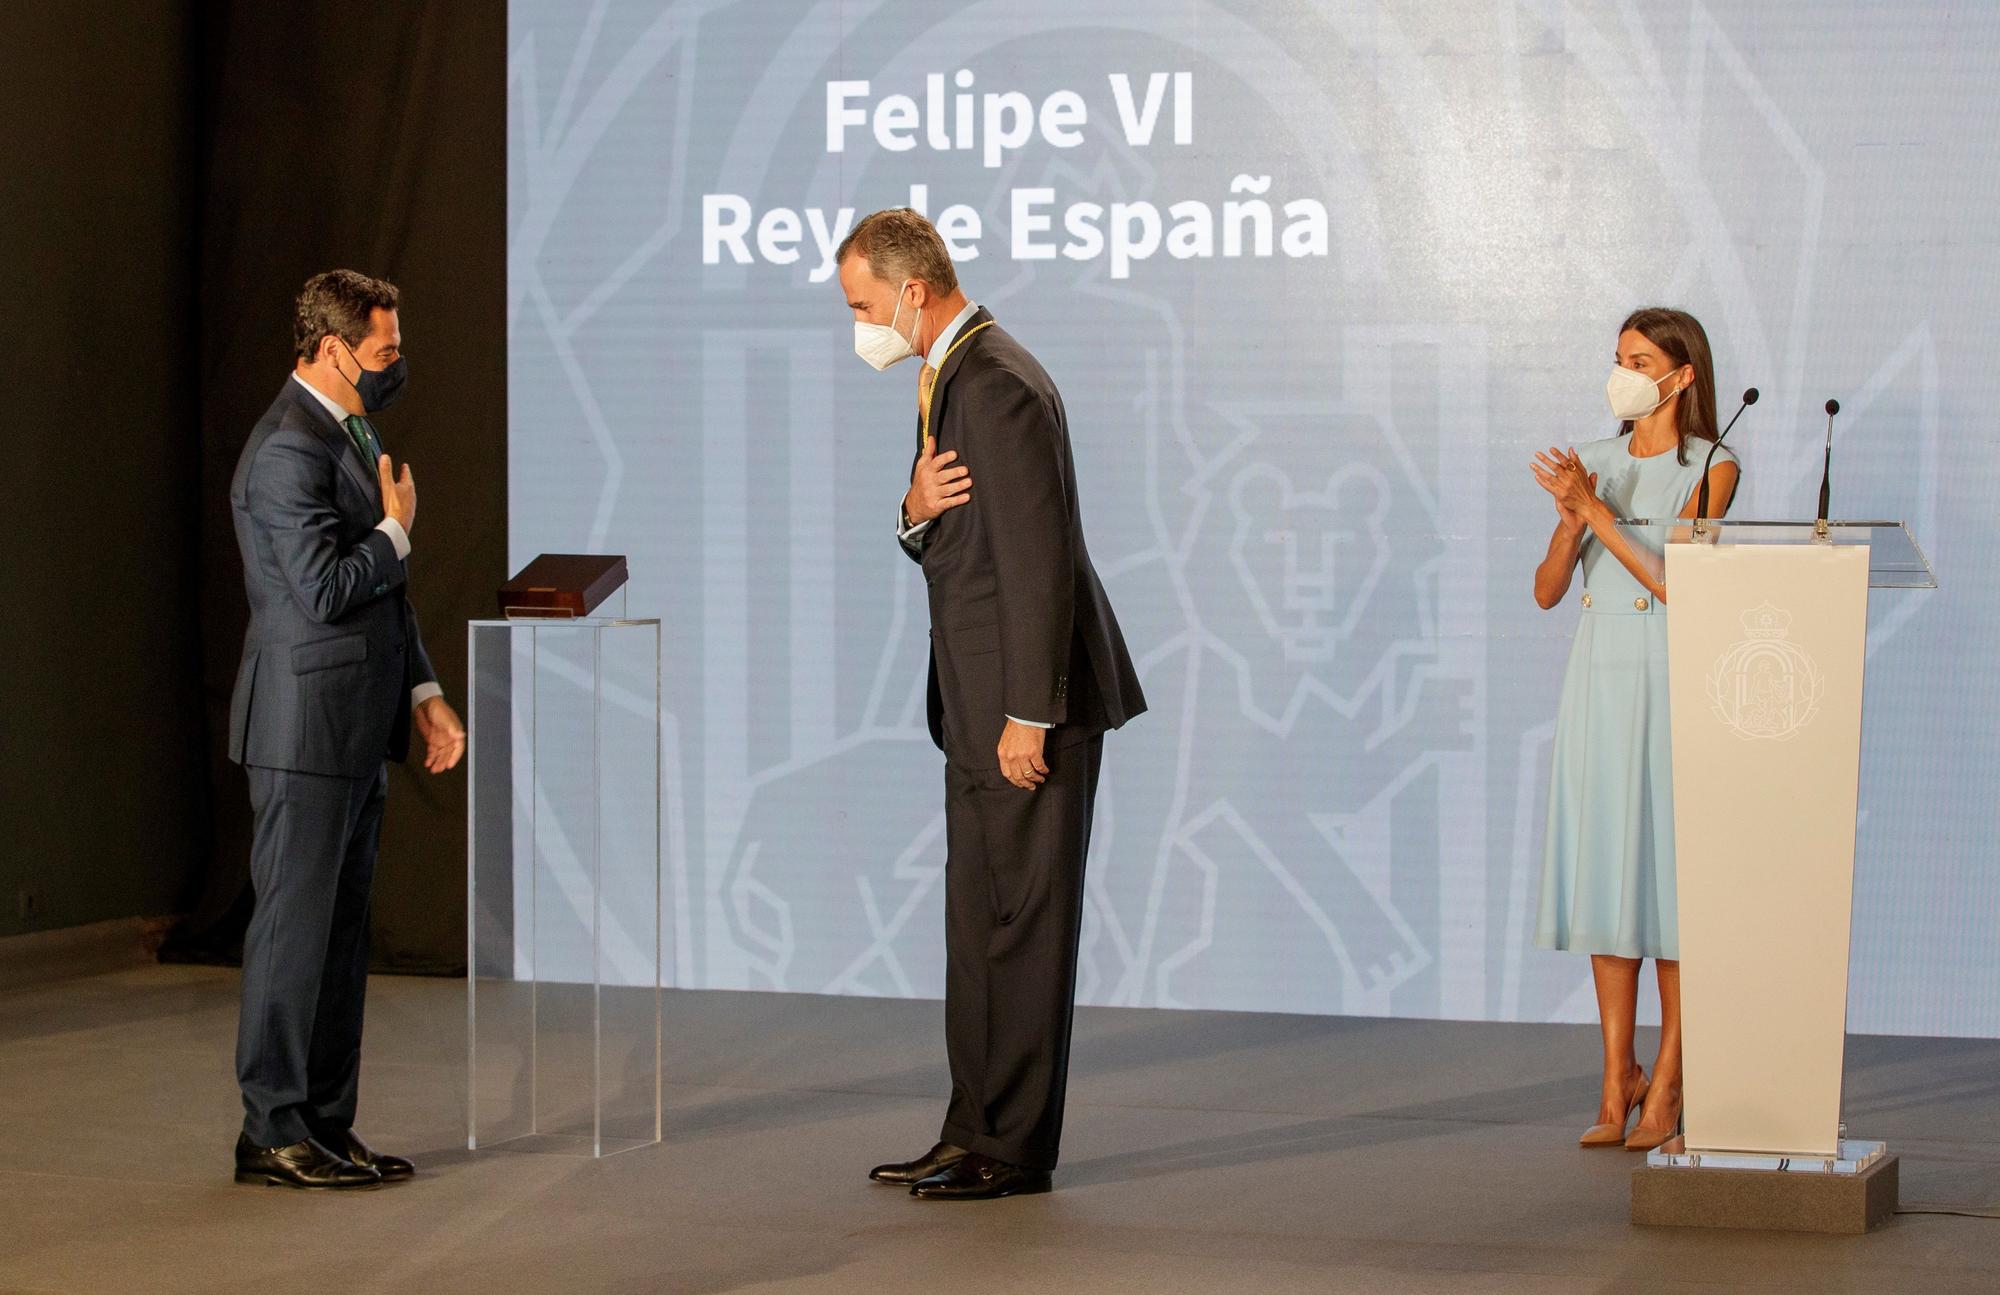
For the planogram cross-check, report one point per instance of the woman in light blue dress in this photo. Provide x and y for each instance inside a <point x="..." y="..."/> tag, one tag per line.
<point x="1608" y="863"/>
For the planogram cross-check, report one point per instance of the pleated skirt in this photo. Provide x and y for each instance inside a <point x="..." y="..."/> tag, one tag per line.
<point x="1608" y="855"/>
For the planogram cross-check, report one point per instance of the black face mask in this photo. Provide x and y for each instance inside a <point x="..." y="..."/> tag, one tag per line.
<point x="378" y="388"/>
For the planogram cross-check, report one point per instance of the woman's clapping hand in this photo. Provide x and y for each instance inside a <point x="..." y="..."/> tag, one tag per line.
<point x="1562" y="474"/>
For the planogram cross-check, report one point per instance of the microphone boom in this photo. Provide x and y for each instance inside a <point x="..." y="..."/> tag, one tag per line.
<point x="1826" y="469"/>
<point x="1701" y="500"/>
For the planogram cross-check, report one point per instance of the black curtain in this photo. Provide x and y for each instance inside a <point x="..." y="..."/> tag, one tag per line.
<point x="104" y="812"/>
<point x="371" y="137"/>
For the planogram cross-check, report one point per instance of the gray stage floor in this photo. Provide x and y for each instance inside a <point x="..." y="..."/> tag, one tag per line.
<point x="1205" y="1152"/>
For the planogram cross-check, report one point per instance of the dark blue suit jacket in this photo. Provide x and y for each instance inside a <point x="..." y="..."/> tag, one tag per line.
<point x="332" y="650"/>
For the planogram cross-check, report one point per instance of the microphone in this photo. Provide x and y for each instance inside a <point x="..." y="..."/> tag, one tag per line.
<point x="1826" y="469"/>
<point x="1701" y="500"/>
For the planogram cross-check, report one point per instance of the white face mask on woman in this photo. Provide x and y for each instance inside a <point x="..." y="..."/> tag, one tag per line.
<point x="1629" y="392"/>
<point x="880" y="344"/>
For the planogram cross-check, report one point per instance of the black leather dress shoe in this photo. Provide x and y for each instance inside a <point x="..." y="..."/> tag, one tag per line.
<point x="302" y="1164"/>
<point x="982" y="1178"/>
<point x="394" y="1169"/>
<point x="938" y="1159"/>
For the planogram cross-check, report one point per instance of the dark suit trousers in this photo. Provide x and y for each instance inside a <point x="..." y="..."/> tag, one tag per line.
<point x="305" y="956"/>
<point x="1013" y="912"/>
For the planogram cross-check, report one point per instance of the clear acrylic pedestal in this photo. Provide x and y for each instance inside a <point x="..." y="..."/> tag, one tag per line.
<point x="563" y="942"/>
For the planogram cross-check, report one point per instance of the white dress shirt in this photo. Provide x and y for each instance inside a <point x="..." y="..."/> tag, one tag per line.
<point x="399" y="539"/>
<point x="940" y="348"/>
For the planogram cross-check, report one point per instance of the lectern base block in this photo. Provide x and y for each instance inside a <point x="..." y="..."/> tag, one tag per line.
<point x="1761" y="1199"/>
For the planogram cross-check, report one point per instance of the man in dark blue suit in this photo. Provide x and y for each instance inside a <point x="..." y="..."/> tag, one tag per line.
<point x="334" y="677"/>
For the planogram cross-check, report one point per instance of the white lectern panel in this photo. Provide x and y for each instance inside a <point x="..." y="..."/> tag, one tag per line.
<point x="1766" y="645"/>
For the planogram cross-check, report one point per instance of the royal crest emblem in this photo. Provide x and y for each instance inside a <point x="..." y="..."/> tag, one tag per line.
<point x="1766" y="686"/>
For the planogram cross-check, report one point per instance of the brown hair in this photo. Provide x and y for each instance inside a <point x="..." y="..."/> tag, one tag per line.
<point x="1680" y="338"/>
<point x="900" y="244"/>
<point x="340" y="302"/>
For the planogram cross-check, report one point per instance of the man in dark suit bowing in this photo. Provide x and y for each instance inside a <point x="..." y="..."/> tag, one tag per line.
<point x="333" y="678"/>
<point x="1027" y="673"/>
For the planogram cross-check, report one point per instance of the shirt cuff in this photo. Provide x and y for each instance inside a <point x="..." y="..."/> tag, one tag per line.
<point x="1029" y="722"/>
<point x="398" y="537"/>
<point x="423" y="692"/>
<point x="908" y="533"/>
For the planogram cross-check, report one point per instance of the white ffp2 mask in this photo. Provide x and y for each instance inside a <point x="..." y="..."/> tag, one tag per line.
<point x="1632" y="394"/>
<point x="880" y="344"/>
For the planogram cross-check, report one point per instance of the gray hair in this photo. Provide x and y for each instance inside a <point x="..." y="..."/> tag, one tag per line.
<point x="900" y="244"/>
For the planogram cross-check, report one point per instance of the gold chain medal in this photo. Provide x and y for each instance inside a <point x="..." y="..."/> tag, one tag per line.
<point x="963" y="338"/>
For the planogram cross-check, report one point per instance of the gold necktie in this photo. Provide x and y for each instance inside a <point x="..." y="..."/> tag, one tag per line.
<point x="925" y="381"/>
<point x="929" y="380"/>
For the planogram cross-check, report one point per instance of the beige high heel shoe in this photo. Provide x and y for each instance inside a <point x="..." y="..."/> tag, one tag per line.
<point x="1645" y="1139"/>
<point x="1613" y="1135"/>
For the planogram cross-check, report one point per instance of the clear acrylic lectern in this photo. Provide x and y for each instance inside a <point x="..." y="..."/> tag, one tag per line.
<point x="563" y="966"/>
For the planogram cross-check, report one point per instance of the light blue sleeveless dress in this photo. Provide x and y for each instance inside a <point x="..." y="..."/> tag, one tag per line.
<point x="1608" y="858"/>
